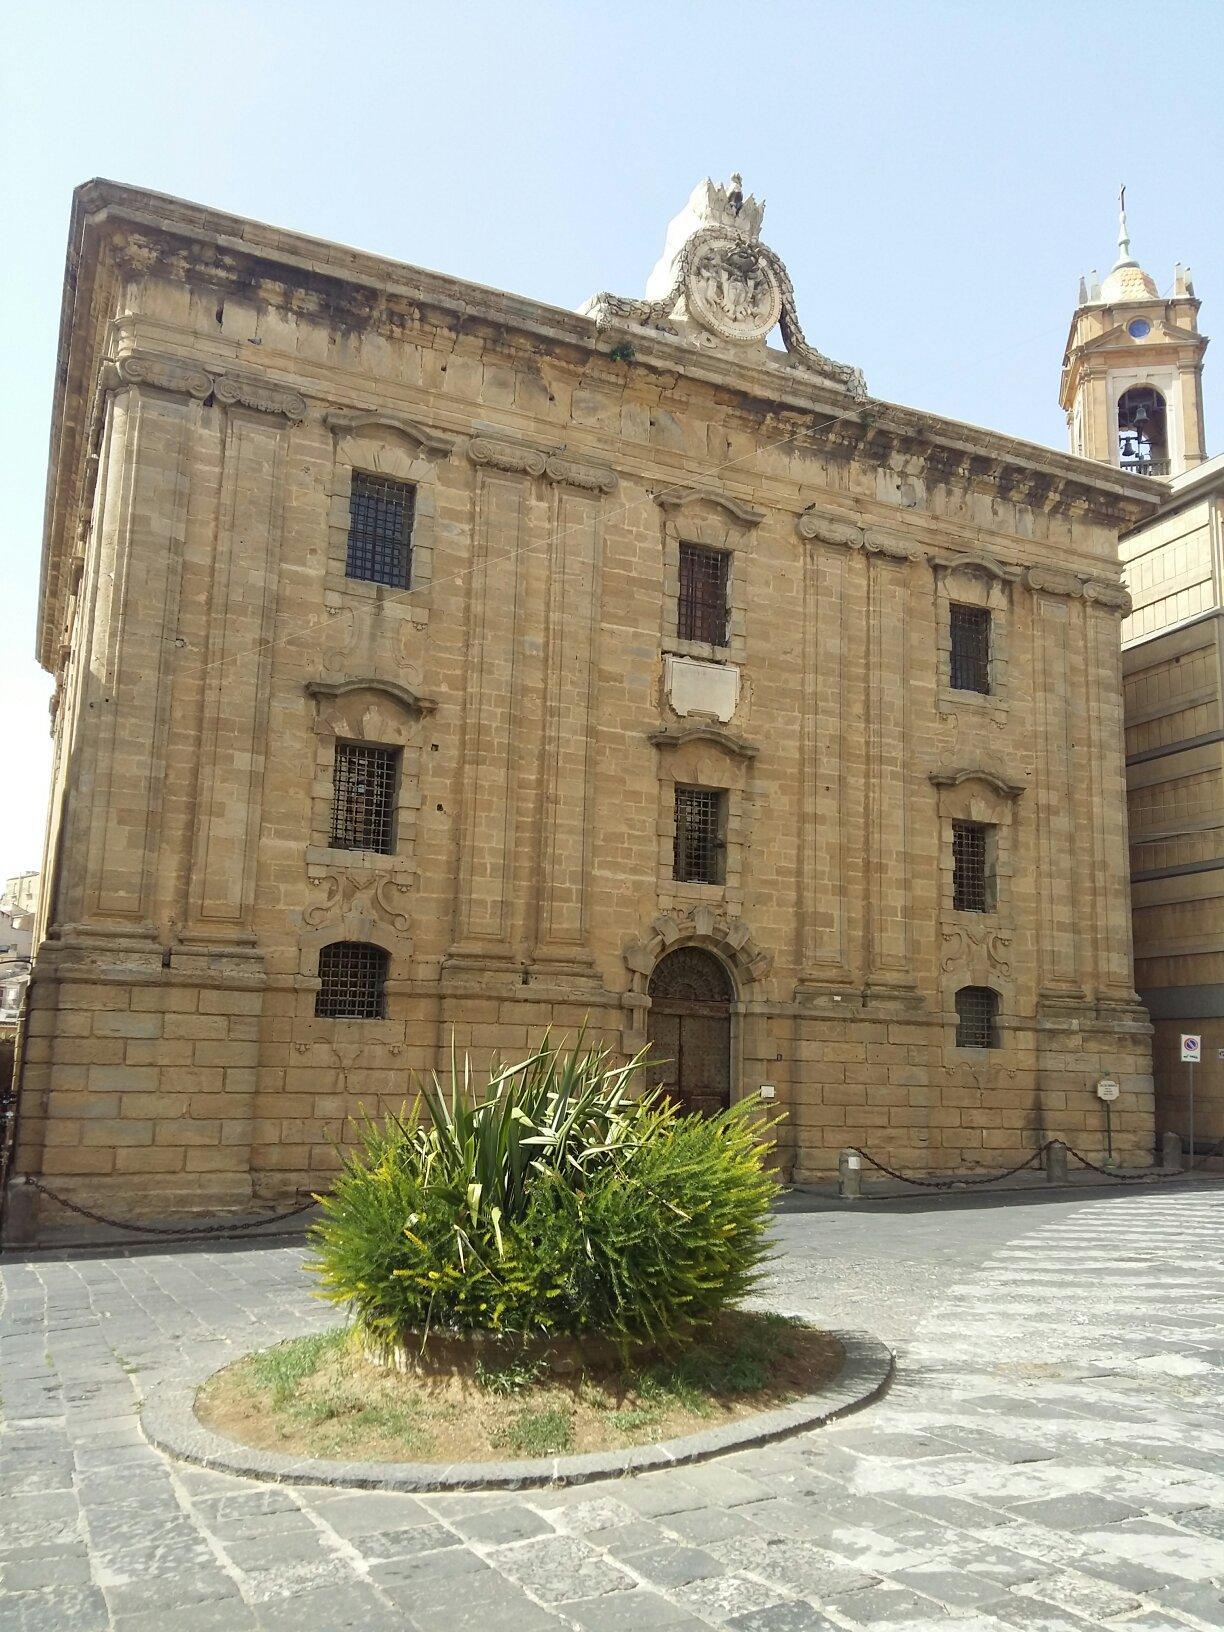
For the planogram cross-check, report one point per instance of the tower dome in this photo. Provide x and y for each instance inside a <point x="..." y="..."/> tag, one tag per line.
<point x="1127" y="280"/>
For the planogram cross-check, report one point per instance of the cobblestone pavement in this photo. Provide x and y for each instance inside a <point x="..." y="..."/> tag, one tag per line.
<point x="1051" y="1456"/>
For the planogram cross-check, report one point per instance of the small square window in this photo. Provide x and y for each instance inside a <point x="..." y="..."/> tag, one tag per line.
<point x="977" y="1017"/>
<point x="363" y="798"/>
<point x="702" y="608"/>
<point x="973" y="867"/>
<point x="701" y="823"/>
<point x="970" y="655"/>
<point x="380" y="530"/>
<point x="353" y="978"/>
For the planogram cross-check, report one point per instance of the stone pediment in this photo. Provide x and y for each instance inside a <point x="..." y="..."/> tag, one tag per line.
<point x="1162" y="333"/>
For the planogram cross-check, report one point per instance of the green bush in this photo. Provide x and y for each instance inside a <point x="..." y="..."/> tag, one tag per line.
<point x="555" y="1203"/>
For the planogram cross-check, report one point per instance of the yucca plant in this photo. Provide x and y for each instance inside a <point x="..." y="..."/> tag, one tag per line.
<point x="550" y="1200"/>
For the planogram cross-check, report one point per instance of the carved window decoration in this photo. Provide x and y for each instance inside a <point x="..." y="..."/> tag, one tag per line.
<point x="969" y="660"/>
<point x="700" y="845"/>
<point x="977" y="1017"/>
<point x="702" y="604"/>
<point x="381" y="512"/>
<point x="365" y="782"/>
<point x="353" y="977"/>
<point x="974" y="852"/>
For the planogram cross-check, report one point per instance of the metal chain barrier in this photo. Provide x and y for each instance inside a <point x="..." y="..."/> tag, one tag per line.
<point x="954" y="1184"/>
<point x="168" y="1229"/>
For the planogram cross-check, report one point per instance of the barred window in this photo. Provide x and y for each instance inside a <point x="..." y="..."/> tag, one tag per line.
<point x="973" y="867"/>
<point x="363" y="798"/>
<point x="380" y="530"/>
<point x="354" y="980"/>
<point x="970" y="657"/>
<point x="700" y="835"/>
<point x="702" y="611"/>
<point x="977" y="1016"/>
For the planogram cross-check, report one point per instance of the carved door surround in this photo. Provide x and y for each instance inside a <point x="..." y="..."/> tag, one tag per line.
<point x="362" y="895"/>
<point x="976" y="947"/>
<point x="724" y="936"/>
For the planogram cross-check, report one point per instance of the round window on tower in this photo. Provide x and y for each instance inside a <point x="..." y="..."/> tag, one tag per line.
<point x="1139" y="328"/>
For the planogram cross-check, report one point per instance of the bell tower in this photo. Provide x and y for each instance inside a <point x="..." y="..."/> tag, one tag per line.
<point x="1132" y="377"/>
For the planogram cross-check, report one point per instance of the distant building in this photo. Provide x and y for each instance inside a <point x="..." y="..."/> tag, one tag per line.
<point x="1133" y="391"/>
<point x="18" y="905"/>
<point x="435" y="663"/>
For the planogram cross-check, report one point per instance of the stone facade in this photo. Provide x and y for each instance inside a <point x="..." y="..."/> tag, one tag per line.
<point x="220" y="382"/>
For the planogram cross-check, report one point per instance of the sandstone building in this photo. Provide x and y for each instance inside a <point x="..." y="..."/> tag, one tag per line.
<point x="434" y="663"/>
<point x="1133" y="392"/>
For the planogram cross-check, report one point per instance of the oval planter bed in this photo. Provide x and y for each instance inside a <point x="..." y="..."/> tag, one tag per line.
<point x="545" y="1280"/>
<point x="227" y="1422"/>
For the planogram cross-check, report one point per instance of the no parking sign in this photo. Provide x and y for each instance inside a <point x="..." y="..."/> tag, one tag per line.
<point x="1192" y="1048"/>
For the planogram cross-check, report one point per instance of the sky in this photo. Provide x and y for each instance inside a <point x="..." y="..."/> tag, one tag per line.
<point x="937" y="176"/>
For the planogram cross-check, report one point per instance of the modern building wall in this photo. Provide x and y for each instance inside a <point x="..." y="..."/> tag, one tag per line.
<point x="1173" y="664"/>
<point x="220" y="384"/>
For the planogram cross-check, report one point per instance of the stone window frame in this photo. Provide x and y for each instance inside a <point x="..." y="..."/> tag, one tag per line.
<point x="391" y="717"/>
<point x="981" y="581"/>
<point x="713" y="759"/>
<point x="976" y="947"/>
<point x="706" y="517"/>
<point x="383" y="444"/>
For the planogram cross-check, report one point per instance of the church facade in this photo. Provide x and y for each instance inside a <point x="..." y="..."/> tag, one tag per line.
<point x="434" y="665"/>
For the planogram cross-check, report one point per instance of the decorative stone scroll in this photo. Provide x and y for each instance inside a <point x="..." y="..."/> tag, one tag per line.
<point x="1103" y="592"/>
<point x="366" y="894"/>
<point x="232" y="390"/>
<point x="508" y="456"/>
<point x="850" y="535"/>
<point x="717" y="282"/>
<point x="520" y="459"/>
<point x="183" y="378"/>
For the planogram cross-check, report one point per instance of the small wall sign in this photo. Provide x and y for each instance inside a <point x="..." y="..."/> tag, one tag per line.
<point x="1108" y="1089"/>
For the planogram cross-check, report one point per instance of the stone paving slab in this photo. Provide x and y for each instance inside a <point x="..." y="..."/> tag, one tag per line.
<point x="1050" y="1456"/>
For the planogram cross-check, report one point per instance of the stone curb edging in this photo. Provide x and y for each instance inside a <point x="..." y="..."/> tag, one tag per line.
<point x="169" y="1423"/>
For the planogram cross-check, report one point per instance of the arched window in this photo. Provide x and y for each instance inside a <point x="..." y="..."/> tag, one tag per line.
<point x="977" y="1017"/>
<point x="1143" y="436"/>
<point x="353" y="976"/>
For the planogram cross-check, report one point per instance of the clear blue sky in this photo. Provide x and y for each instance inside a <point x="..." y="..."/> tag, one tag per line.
<point x="937" y="177"/>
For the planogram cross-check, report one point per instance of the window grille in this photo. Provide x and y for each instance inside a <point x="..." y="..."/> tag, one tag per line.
<point x="972" y="884"/>
<point x="977" y="1014"/>
<point x="702" y="613"/>
<point x="700" y="844"/>
<point x="970" y="657"/>
<point x="354" y="978"/>
<point x="363" y="798"/>
<point x="380" y="530"/>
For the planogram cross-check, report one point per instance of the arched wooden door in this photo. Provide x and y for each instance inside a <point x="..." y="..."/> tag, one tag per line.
<point x="689" y="1028"/>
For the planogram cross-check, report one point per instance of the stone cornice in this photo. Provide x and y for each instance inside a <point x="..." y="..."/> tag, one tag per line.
<point x="676" y="498"/>
<point x="402" y="695"/>
<point x="677" y="736"/>
<point x="954" y="779"/>
<point x="849" y="535"/>
<point x="353" y="421"/>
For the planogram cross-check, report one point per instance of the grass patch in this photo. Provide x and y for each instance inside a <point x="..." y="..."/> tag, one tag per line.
<point x="321" y="1396"/>
<point x="538" y="1433"/>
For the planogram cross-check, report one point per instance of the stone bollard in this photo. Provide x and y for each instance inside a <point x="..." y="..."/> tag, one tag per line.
<point x="1056" y="1162"/>
<point x="849" y="1175"/>
<point x="1171" y="1153"/>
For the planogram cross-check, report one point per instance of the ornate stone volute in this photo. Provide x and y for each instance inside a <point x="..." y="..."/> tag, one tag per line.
<point x="718" y="286"/>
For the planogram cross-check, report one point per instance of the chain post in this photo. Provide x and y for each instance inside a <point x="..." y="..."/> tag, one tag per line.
<point x="849" y="1175"/>
<point x="1056" y="1162"/>
<point x="1171" y="1153"/>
